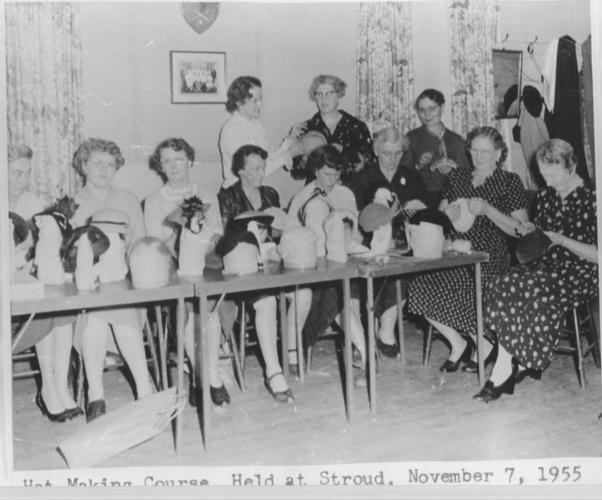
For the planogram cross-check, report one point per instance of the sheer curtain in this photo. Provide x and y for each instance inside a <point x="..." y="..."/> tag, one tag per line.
<point x="44" y="81"/>
<point x="474" y="32"/>
<point x="385" y="72"/>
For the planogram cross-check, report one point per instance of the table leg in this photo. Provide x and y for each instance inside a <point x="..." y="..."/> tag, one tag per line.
<point x="180" y="322"/>
<point x="201" y="371"/>
<point x="371" y="347"/>
<point x="299" y="336"/>
<point x="283" y="332"/>
<point x="400" y="332"/>
<point x="162" y="346"/>
<point x="348" y="352"/>
<point x="480" y="340"/>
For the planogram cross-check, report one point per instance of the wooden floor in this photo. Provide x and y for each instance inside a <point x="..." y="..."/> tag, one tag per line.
<point x="422" y="415"/>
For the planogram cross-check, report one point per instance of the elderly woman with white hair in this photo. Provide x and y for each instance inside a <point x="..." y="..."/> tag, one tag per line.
<point x="348" y="134"/>
<point x="407" y="186"/>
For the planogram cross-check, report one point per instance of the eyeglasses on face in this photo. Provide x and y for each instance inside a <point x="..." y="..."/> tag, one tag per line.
<point x="327" y="93"/>
<point x="429" y="109"/>
<point x="482" y="152"/>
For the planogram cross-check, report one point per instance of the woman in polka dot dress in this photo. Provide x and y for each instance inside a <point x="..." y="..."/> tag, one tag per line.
<point x="526" y="307"/>
<point x="497" y="199"/>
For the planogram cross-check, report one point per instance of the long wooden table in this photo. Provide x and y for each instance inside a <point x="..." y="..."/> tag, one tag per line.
<point x="67" y="297"/>
<point x="277" y="278"/>
<point x="405" y="266"/>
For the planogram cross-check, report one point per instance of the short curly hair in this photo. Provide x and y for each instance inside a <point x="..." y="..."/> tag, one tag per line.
<point x="89" y="146"/>
<point x="337" y="84"/>
<point x="239" y="158"/>
<point x="557" y="151"/>
<point x="175" y="143"/>
<point x="239" y="91"/>
<point x="494" y="136"/>
<point x="432" y="94"/>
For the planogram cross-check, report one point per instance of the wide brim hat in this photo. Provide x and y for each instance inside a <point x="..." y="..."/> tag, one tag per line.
<point x="98" y="241"/>
<point x="256" y="215"/>
<point x="432" y="216"/>
<point x="111" y="220"/>
<point x="375" y="215"/>
<point x="279" y="217"/>
<point x="466" y="219"/>
<point x="532" y="246"/>
<point x="231" y="239"/>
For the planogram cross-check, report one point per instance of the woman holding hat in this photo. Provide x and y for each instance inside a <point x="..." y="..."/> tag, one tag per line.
<point x="172" y="160"/>
<point x="51" y="334"/>
<point x="434" y="150"/>
<point x="527" y="306"/>
<point x="249" y="194"/>
<point x="97" y="160"/>
<point x="496" y="200"/>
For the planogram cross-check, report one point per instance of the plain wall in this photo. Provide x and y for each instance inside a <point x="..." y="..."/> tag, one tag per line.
<point x="127" y="83"/>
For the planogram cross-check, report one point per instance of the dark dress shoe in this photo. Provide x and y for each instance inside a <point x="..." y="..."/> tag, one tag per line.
<point x="74" y="412"/>
<point x="452" y="366"/>
<point x="219" y="395"/>
<point x="491" y="392"/>
<point x="471" y="366"/>
<point x="285" y="396"/>
<point x="388" y="350"/>
<point x="95" y="409"/>
<point x="53" y="417"/>
<point x="528" y="372"/>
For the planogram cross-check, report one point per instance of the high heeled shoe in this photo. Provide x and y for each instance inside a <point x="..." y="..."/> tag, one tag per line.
<point x="452" y="366"/>
<point x="388" y="350"/>
<point x="491" y="392"/>
<point x="219" y="395"/>
<point x="285" y="396"/>
<point x="53" y="417"/>
<point x="471" y="366"/>
<point x="95" y="409"/>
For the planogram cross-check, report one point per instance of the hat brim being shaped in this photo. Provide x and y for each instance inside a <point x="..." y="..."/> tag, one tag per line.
<point x="99" y="242"/>
<point x="532" y="246"/>
<point x="111" y="220"/>
<point x="466" y="219"/>
<point x="375" y="215"/>
<point x="21" y="230"/>
<point x="279" y="216"/>
<point x="432" y="216"/>
<point x="256" y="215"/>
<point x="231" y="239"/>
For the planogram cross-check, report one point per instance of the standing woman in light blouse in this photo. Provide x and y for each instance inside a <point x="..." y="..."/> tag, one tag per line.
<point x="97" y="160"/>
<point x="172" y="161"/>
<point x="243" y="127"/>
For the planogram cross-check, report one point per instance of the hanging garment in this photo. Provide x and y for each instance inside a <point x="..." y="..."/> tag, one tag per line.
<point x="587" y="106"/>
<point x="533" y="132"/>
<point x="566" y="117"/>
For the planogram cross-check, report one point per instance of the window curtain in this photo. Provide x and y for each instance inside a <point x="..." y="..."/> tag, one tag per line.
<point x="385" y="73"/>
<point x="44" y="87"/>
<point x="474" y="32"/>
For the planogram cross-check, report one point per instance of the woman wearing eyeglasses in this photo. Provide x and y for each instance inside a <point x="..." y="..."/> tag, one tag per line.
<point x="172" y="160"/>
<point x="497" y="200"/>
<point x="433" y="150"/>
<point x="97" y="161"/>
<point x="348" y="134"/>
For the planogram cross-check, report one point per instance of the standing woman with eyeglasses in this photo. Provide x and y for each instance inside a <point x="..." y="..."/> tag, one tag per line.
<point x="433" y="149"/>
<point x="348" y="134"/>
<point x="497" y="201"/>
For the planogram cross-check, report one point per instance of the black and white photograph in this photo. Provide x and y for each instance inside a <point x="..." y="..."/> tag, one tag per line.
<point x="366" y="265"/>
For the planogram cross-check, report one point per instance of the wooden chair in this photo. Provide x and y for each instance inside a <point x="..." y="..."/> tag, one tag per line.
<point x="580" y="322"/>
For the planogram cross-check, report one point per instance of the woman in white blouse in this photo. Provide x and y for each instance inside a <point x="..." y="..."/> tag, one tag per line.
<point x="243" y="127"/>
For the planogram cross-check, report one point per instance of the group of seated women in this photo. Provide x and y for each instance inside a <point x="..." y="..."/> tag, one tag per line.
<point x="429" y="167"/>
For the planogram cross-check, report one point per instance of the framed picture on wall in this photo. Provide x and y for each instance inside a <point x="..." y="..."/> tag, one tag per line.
<point x="197" y="77"/>
<point x="507" y="72"/>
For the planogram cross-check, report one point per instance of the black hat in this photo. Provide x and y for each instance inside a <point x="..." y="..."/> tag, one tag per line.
<point x="228" y="242"/>
<point x="532" y="246"/>
<point x="98" y="240"/>
<point x="21" y="229"/>
<point x="432" y="216"/>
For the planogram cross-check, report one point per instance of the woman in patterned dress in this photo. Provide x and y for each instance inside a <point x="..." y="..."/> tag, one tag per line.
<point x="527" y="306"/>
<point x="348" y="134"/>
<point x="497" y="198"/>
